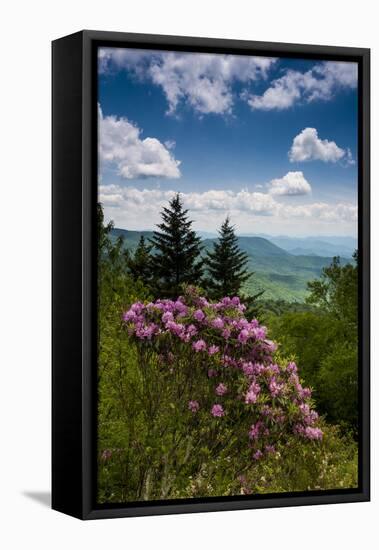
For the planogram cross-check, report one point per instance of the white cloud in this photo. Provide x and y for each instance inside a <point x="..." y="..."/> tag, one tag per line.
<point x="308" y="146"/>
<point x="319" y="83"/>
<point x="134" y="208"/>
<point x="339" y="212"/>
<point x="120" y="145"/>
<point x="110" y="59"/>
<point x="259" y="204"/>
<point x="349" y="158"/>
<point x="170" y="144"/>
<point x="293" y="183"/>
<point x="203" y="81"/>
<point x="243" y="200"/>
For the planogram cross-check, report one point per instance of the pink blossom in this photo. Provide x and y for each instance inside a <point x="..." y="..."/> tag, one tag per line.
<point x="226" y="333"/>
<point x="146" y="331"/>
<point x="313" y="433"/>
<point x="260" y="333"/>
<point x="243" y="336"/>
<point x="305" y="409"/>
<point x="199" y="345"/>
<point x="213" y="349"/>
<point x="271" y="346"/>
<point x="199" y="315"/>
<point x="309" y="416"/>
<point x="203" y="302"/>
<point x="137" y="307"/>
<point x="193" y="406"/>
<point x="181" y="308"/>
<point x="257" y="455"/>
<point x="130" y="315"/>
<point x="167" y="316"/>
<point x="175" y="328"/>
<point x="212" y="373"/>
<point x="248" y="369"/>
<point x="255" y="429"/>
<point x="241" y="324"/>
<point x="221" y="389"/>
<point x="191" y="330"/>
<point x="218" y="323"/>
<point x="252" y="394"/>
<point x="217" y="410"/>
<point x="291" y="367"/>
<point x="275" y="387"/>
<point x="305" y="393"/>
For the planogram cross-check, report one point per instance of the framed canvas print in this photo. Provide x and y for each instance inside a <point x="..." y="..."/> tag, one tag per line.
<point x="210" y="275"/>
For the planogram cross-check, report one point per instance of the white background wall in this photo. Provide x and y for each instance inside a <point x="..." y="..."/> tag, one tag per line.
<point x="26" y="31"/>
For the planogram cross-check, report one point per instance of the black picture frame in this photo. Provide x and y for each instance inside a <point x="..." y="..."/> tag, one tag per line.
<point x="74" y="273"/>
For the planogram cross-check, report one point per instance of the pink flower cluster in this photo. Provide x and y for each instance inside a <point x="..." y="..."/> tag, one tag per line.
<point x="236" y="358"/>
<point x="194" y="406"/>
<point x="217" y="410"/>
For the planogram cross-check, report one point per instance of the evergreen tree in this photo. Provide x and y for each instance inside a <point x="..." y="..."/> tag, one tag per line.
<point x="140" y="264"/>
<point x="113" y="257"/>
<point x="226" y="264"/>
<point x="103" y="231"/>
<point x="177" y="249"/>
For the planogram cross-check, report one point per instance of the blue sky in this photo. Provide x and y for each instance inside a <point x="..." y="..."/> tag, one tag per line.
<point x="270" y="142"/>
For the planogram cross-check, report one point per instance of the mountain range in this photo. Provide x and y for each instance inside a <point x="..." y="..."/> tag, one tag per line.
<point x="318" y="246"/>
<point x="281" y="271"/>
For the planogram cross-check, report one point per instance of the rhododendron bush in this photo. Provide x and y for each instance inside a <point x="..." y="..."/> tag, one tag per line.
<point x="213" y="388"/>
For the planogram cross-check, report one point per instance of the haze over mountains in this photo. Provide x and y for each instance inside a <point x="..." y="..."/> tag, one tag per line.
<point x="319" y="246"/>
<point x="282" y="265"/>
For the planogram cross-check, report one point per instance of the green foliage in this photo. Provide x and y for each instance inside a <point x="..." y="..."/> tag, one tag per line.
<point x="324" y="341"/>
<point x="140" y="264"/>
<point x="176" y="251"/>
<point x="305" y="336"/>
<point x="339" y="382"/>
<point x="116" y="372"/>
<point x="270" y="309"/>
<point x="336" y="291"/>
<point x="331" y="465"/>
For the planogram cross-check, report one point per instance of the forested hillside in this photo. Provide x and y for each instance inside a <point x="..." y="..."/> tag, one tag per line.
<point x="281" y="274"/>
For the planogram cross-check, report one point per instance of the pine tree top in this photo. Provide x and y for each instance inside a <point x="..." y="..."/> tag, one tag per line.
<point x="226" y="264"/>
<point x="176" y="258"/>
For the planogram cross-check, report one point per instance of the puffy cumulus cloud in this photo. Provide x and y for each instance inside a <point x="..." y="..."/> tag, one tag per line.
<point x="308" y="146"/>
<point x="320" y="82"/>
<point x="259" y="204"/>
<point x="212" y="200"/>
<point x="120" y="145"/>
<point x="114" y="59"/>
<point x="202" y="81"/>
<point x="293" y="183"/>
